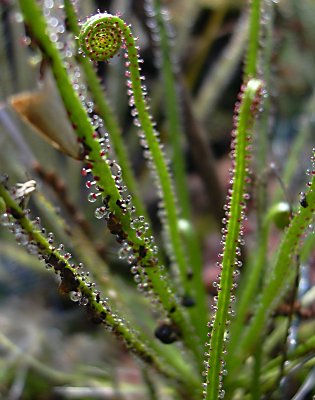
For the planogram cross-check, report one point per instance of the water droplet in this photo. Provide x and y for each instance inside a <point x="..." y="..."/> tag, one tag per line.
<point x="5" y="219"/>
<point x="84" y="301"/>
<point x="92" y="197"/>
<point x="75" y="296"/>
<point x="100" y="212"/>
<point x="49" y="3"/>
<point x="115" y="168"/>
<point x="89" y="184"/>
<point x="134" y="269"/>
<point x="136" y="224"/>
<point x="123" y="253"/>
<point x="41" y="257"/>
<point x="31" y="248"/>
<point x="21" y="239"/>
<point x="85" y="171"/>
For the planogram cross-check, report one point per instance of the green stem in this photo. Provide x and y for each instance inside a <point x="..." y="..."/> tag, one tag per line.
<point x="97" y="48"/>
<point x="106" y="113"/>
<point x="118" y="27"/>
<point x="270" y="371"/>
<point x="256" y="373"/>
<point x="252" y="279"/>
<point x="251" y="62"/>
<point x="72" y="281"/>
<point x="262" y="142"/>
<point x="196" y="287"/>
<point x="120" y="218"/>
<point x="256" y="275"/>
<point x="172" y="110"/>
<point x="251" y="71"/>
<point x="300" y="351"/>
<point x="280" y="276"/>
<point x="219" y="334"/>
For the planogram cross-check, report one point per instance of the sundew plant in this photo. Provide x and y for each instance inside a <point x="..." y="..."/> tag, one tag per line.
<point x="157" y="199"/>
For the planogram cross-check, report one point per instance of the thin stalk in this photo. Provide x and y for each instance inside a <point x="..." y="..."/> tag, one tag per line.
<point x="80" y="289"/>
<point x="252" y="279"/>
<point x="285" y="345"/>
<point x="262" y="143"/>
<point x="255" y="388"/>
<point x="119" y="219"/>
<point x="219" y="325"/>
<point x="97" y="50"/>
<point x="262" y="140"/>
<point x="171" y="90"/>
<point x="250" y="71"/>
<point x="105" y="111"/>
<point x="302" y="350"/>
<point x="269" y="378"/>
<point x="281" y="274"/>
<point x="74" y="281"/>
<point x="251" y="61"/>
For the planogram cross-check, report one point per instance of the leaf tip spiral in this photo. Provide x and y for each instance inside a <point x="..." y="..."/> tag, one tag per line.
<point x="100" y="37"/>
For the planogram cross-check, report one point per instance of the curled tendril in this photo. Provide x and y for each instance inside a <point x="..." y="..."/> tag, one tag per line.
<point x="100" y="37"/>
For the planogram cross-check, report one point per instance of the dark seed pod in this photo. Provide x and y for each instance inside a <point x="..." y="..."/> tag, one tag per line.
<point x="166" y="333"/>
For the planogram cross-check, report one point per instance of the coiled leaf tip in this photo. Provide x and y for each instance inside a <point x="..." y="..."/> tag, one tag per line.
<point x="100" y="37"/>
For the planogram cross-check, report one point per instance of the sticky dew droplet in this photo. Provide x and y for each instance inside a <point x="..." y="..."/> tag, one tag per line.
<point x="75" y="296"/>
<point x="5" y="219"/>
<point x="84" y="301"/>
<point x="123" y="253"/>
<point x="92" y="197"/>
<point x="21" y="238"/>
<point x="134" y="269"/>
<point x="136" y="224"/>
<point x="100" y="212"/>
<point x="32" y="248"/>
